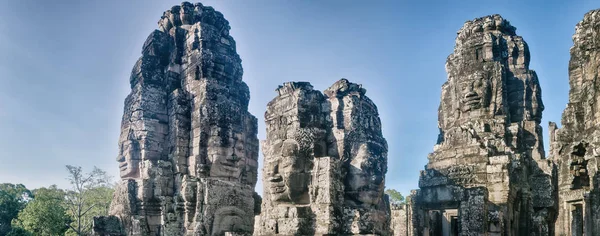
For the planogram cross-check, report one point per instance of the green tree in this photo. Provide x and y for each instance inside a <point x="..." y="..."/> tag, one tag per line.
<point x="395" y="196"/>
<point x="17" y="231"/>
<point x="45" y="214"/>
<point x="90" y="195"/>
<point x="13" y="198"/>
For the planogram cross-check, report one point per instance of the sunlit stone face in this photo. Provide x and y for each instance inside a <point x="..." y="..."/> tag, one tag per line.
<point x="288" y="175"/>
<point x="129" y="159"/>
<point x="227" y="160"/>
<point x="364" y="181"/>
<point x="474" y="92"/>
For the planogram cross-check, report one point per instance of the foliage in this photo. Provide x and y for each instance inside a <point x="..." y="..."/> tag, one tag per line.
<point x="395" y="197"/>
<point x="90" y="195"/>
<point x="18" y="231"/>
<point x="45" y="214"/>
<point x="13" y="198"/>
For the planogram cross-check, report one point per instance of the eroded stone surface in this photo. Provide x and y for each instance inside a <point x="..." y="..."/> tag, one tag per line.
<point x="575" y="146"/>
<point x="188" y="148"/>
<point x="325" y="162"/>
<point x="488" y="170"/>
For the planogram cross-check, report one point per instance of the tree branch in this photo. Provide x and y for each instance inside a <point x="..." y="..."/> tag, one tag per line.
<point x="88" y="209"/>
<point x="72" y="228"/>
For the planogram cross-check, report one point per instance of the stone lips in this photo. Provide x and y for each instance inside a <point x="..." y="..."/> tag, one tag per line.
<point x="188" y="149"/>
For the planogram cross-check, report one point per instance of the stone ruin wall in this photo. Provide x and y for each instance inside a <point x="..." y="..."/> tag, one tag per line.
<point x="575" y="148"/>
<point x="188" y="150"/>
<point x="399" y="216"/>
<point x="325" y="159"/>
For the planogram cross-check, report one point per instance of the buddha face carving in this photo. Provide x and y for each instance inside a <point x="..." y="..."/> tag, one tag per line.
<point x="129" y="159"/>
<point x="474" y="92"/>
<point x="364" y="181"/>
<point x="227" y="160"/>
<point x="288" y="175"/>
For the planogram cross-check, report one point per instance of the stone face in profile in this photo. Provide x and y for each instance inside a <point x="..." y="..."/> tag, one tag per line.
<point x="188" y="147"/>
<point x="129" y="159"/>
<point x="318" y="146"/>
<point x="364" y="180"/>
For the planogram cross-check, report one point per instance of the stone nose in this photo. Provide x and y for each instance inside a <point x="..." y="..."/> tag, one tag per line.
<point x="470" y="87"/>
<point x="120" y="158"/>
<point x="273" y="170"/>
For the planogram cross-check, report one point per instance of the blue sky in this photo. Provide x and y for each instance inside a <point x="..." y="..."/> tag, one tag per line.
<point x="65" y="65"/>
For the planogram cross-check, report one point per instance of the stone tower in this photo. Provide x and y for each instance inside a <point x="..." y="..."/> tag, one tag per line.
<point x="488" y="173"/>
<point x="575" y="148"/>
<point x="325" y="163"/>
<point x="188" y="148"/>
<point x="357" y="140"/>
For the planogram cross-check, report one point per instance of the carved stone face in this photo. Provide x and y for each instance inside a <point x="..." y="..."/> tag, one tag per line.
<point x="229" y="219"/>
<point x="288" y="175"/>
<point x="129" y="159"/>
<point x="364" y="181"/>
<point x="227" y="160"/>
<point x="474" y="92"/>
